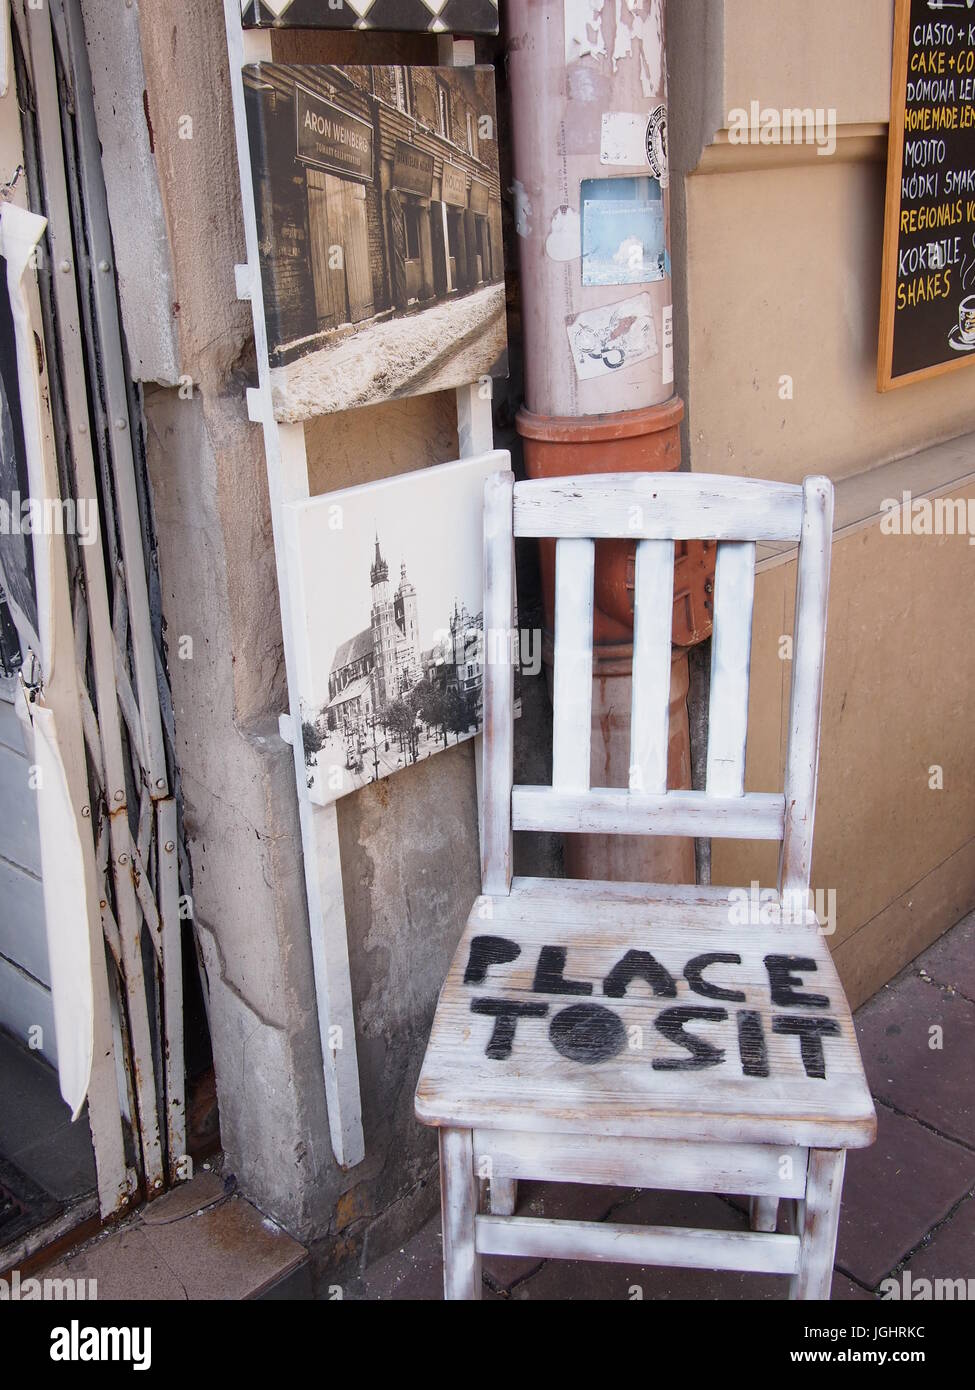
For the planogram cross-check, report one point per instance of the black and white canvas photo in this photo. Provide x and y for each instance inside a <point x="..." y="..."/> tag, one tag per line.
<point x="379" y="223"/>
<point x="432" y="16"/>
<point x="389" y="621"/>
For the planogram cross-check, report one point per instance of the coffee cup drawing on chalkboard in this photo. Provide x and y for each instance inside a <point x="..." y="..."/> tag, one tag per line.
<point x="962" y="336"/>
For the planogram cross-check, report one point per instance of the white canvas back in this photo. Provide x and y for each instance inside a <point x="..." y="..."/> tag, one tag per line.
<point x="655" y="509"/>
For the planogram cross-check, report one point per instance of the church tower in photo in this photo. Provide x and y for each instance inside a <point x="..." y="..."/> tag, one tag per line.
<point x="395" y="634"/>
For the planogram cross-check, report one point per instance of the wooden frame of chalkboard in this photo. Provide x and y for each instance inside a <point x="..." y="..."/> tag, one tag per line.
<point x="892" y="370"/>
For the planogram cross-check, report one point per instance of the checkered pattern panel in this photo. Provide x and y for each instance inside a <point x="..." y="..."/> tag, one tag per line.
<point x="435" y="16"/>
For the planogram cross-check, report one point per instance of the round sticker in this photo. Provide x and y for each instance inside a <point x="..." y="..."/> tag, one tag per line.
<point x="657" y="144"/>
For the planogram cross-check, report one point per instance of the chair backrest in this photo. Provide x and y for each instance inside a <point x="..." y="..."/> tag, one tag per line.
<point x="655" y="509"/>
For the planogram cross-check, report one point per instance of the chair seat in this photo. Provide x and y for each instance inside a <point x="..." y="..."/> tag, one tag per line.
<point x="654" y="1017"/>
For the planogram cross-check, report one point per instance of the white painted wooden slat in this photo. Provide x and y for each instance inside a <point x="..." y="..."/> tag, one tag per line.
<point x="458" y="1189"/>
<point x="499" y="675"/>
<point x="576" y="895"/>
<point x="475" y="435"/>
<point x="504" y="1195"/>
<point x="615" y="811"/>
<point x="572" y="675"/>
<point x="819" y="1219"/>
<point x="617" y="905"/>
<point x="659" y="506"/>
<point x="763" y="1213"/>
<point x="653" y="626"/>
<point x="741" y="1169"/>
<point x="679" y="1247"/>
<point x="287" y="474"/>
<point x="734" y="592"/>
<point x="808" y="655"/>
<point x="475" y="427"/>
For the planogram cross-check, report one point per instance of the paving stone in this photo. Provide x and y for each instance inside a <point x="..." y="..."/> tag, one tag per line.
<point x="930" y="1084"/>
<point x="895" y="1192"/>
<point x="950" y="1254"/>
<point x="125" y="1266"/>
<point x="846" y="1291"/>
<point x="570" y="1280"/>
<point x="189" y="1197"/>
<point x="951" y="960"/>
<point x="225" y="1251"/>
<point x="415" y="1271"/>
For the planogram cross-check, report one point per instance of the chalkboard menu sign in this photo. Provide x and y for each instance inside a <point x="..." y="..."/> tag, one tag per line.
<point x="927" y="323"/>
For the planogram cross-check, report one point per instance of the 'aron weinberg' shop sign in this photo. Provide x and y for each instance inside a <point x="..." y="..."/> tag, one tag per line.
<point x="378" y="204"/>
<point x="928" y="295"/>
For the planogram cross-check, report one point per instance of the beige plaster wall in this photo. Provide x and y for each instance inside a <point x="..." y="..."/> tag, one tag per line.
<point x="899" y="854"/>
<point x="777" y="274"/>
<point x="783" y="280"/>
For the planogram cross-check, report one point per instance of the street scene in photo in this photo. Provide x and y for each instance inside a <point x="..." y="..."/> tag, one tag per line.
<point x="378" y="203"/>
<point x="452" y="342"/>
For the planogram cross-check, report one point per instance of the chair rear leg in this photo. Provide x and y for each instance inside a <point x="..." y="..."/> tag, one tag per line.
<point x="458" y="1202"/>
<point x="504" y="1196"/>
<point x="819" y="1219"/>
<point x="763" y="1213"/>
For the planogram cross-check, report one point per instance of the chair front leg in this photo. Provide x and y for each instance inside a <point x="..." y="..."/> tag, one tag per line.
<point x="819" y="1219"/>
<point x="458" y="1203"/>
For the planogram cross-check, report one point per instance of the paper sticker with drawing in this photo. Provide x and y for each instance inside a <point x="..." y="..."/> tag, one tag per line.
<point x="613" y="337"/>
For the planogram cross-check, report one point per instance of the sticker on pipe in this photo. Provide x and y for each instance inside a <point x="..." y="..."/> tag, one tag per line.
<point x="668" y="351"/>
<point x="657" y="154"/>
<point x="613" y="337"/>
<point x="624" y="138"/>
<point x="623" y="238"/>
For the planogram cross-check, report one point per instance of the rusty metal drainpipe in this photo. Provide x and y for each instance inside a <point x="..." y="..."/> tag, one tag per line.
<point x="589" y="98"/>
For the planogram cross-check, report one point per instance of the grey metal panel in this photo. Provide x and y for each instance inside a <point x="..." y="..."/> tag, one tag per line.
<point x="25" y="1004"/>
<point x="19" y="836"/>
<point x="22" y="935"/>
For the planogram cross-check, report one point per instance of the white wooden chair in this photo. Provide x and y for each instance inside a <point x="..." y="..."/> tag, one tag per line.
<point x="631" y="1034"/>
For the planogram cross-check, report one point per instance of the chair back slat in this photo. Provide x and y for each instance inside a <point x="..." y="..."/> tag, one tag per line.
<point x="734" y="592"/>
<point x="805" y="708"/>
<point x="575" y="562"/>
<point x="499" y="694"/>
<point x="659" y="506"/>
<point x="653" y="624"/>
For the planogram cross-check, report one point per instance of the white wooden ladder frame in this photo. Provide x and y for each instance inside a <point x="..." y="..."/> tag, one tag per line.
<point x="287" y="472"/>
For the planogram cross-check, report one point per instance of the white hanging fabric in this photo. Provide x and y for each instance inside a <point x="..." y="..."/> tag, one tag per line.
<point x="62" y="860"/>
